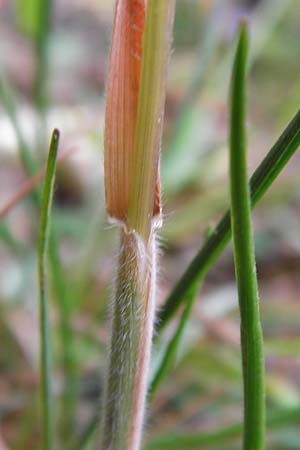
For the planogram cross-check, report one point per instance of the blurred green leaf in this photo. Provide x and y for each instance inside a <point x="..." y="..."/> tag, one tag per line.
<point x="172" y="348"/>
<point x="176" y="441"/>
<point x="27" y="16"/>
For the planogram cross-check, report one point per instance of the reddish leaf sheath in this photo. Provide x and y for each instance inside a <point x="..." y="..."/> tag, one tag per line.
<point x="121" y="106"/>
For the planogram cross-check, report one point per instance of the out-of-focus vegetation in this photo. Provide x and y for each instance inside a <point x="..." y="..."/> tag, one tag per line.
<point x="53" y="63"/>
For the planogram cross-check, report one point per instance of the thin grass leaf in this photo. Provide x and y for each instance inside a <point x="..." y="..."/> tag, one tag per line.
<point x="45" y="358"/>
<point x="261" y="180"/>
<point x="244" y="257"/>
<point x="26" y="13"/>
<point x="42" y="52"/>
<point x="172" y="347"/>
<point x="276" y="419"/>
<point x="61" y="290"/>
<point x="7" y="98"/>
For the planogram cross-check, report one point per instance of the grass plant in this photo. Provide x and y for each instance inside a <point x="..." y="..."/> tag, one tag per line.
<point x="136" y="92"/>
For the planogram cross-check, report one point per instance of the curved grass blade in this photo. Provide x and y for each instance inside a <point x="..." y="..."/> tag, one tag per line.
<point x="172" y="348"/>
<point x="244" y="257"/>
<point x="277" y="419"/>
<point x="45" y="363"/>
<point x="261" y="180"/>
<point x="62" y="292"/>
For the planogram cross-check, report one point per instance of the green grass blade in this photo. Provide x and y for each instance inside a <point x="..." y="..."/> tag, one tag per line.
<point x="42" y="44"/>
<point x="8" y="102"/>
<point x="173" y="441"/>
<point x="172" y="347"/>
<point x="244" y="257"/>
<point x="61" y="291"/>
<point x="45" y="364"/>
<point x="261" y="180"/>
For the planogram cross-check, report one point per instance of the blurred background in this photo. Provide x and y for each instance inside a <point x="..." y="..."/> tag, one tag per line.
<point x="53" y="65"/>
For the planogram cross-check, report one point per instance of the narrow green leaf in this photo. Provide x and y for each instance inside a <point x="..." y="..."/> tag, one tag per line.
<point x="26" y="13"/>
<point x="261" y="180"/>
<point x="7" y="98"/>
<point x="172" y="347"/>
<point x="42" y="52"/>
<point x="45" y="358"/>
<point x="61" y="291"/>
<point x="244" y="257"/>
<point x="173" y="441"/>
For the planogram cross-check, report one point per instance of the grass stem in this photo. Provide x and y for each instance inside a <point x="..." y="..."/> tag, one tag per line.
<point x="244" y="258"/>
<point x="132" y="327"/>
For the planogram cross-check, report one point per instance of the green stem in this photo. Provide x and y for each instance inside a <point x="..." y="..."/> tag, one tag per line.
<point x="132" y="327"/>
<point x="244" y="258"/>
<point x="260" y="181"/>
<point x="45" y="363"/>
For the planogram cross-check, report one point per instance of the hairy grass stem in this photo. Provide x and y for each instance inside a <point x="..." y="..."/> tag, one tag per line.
<point x="133" y="129"/>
